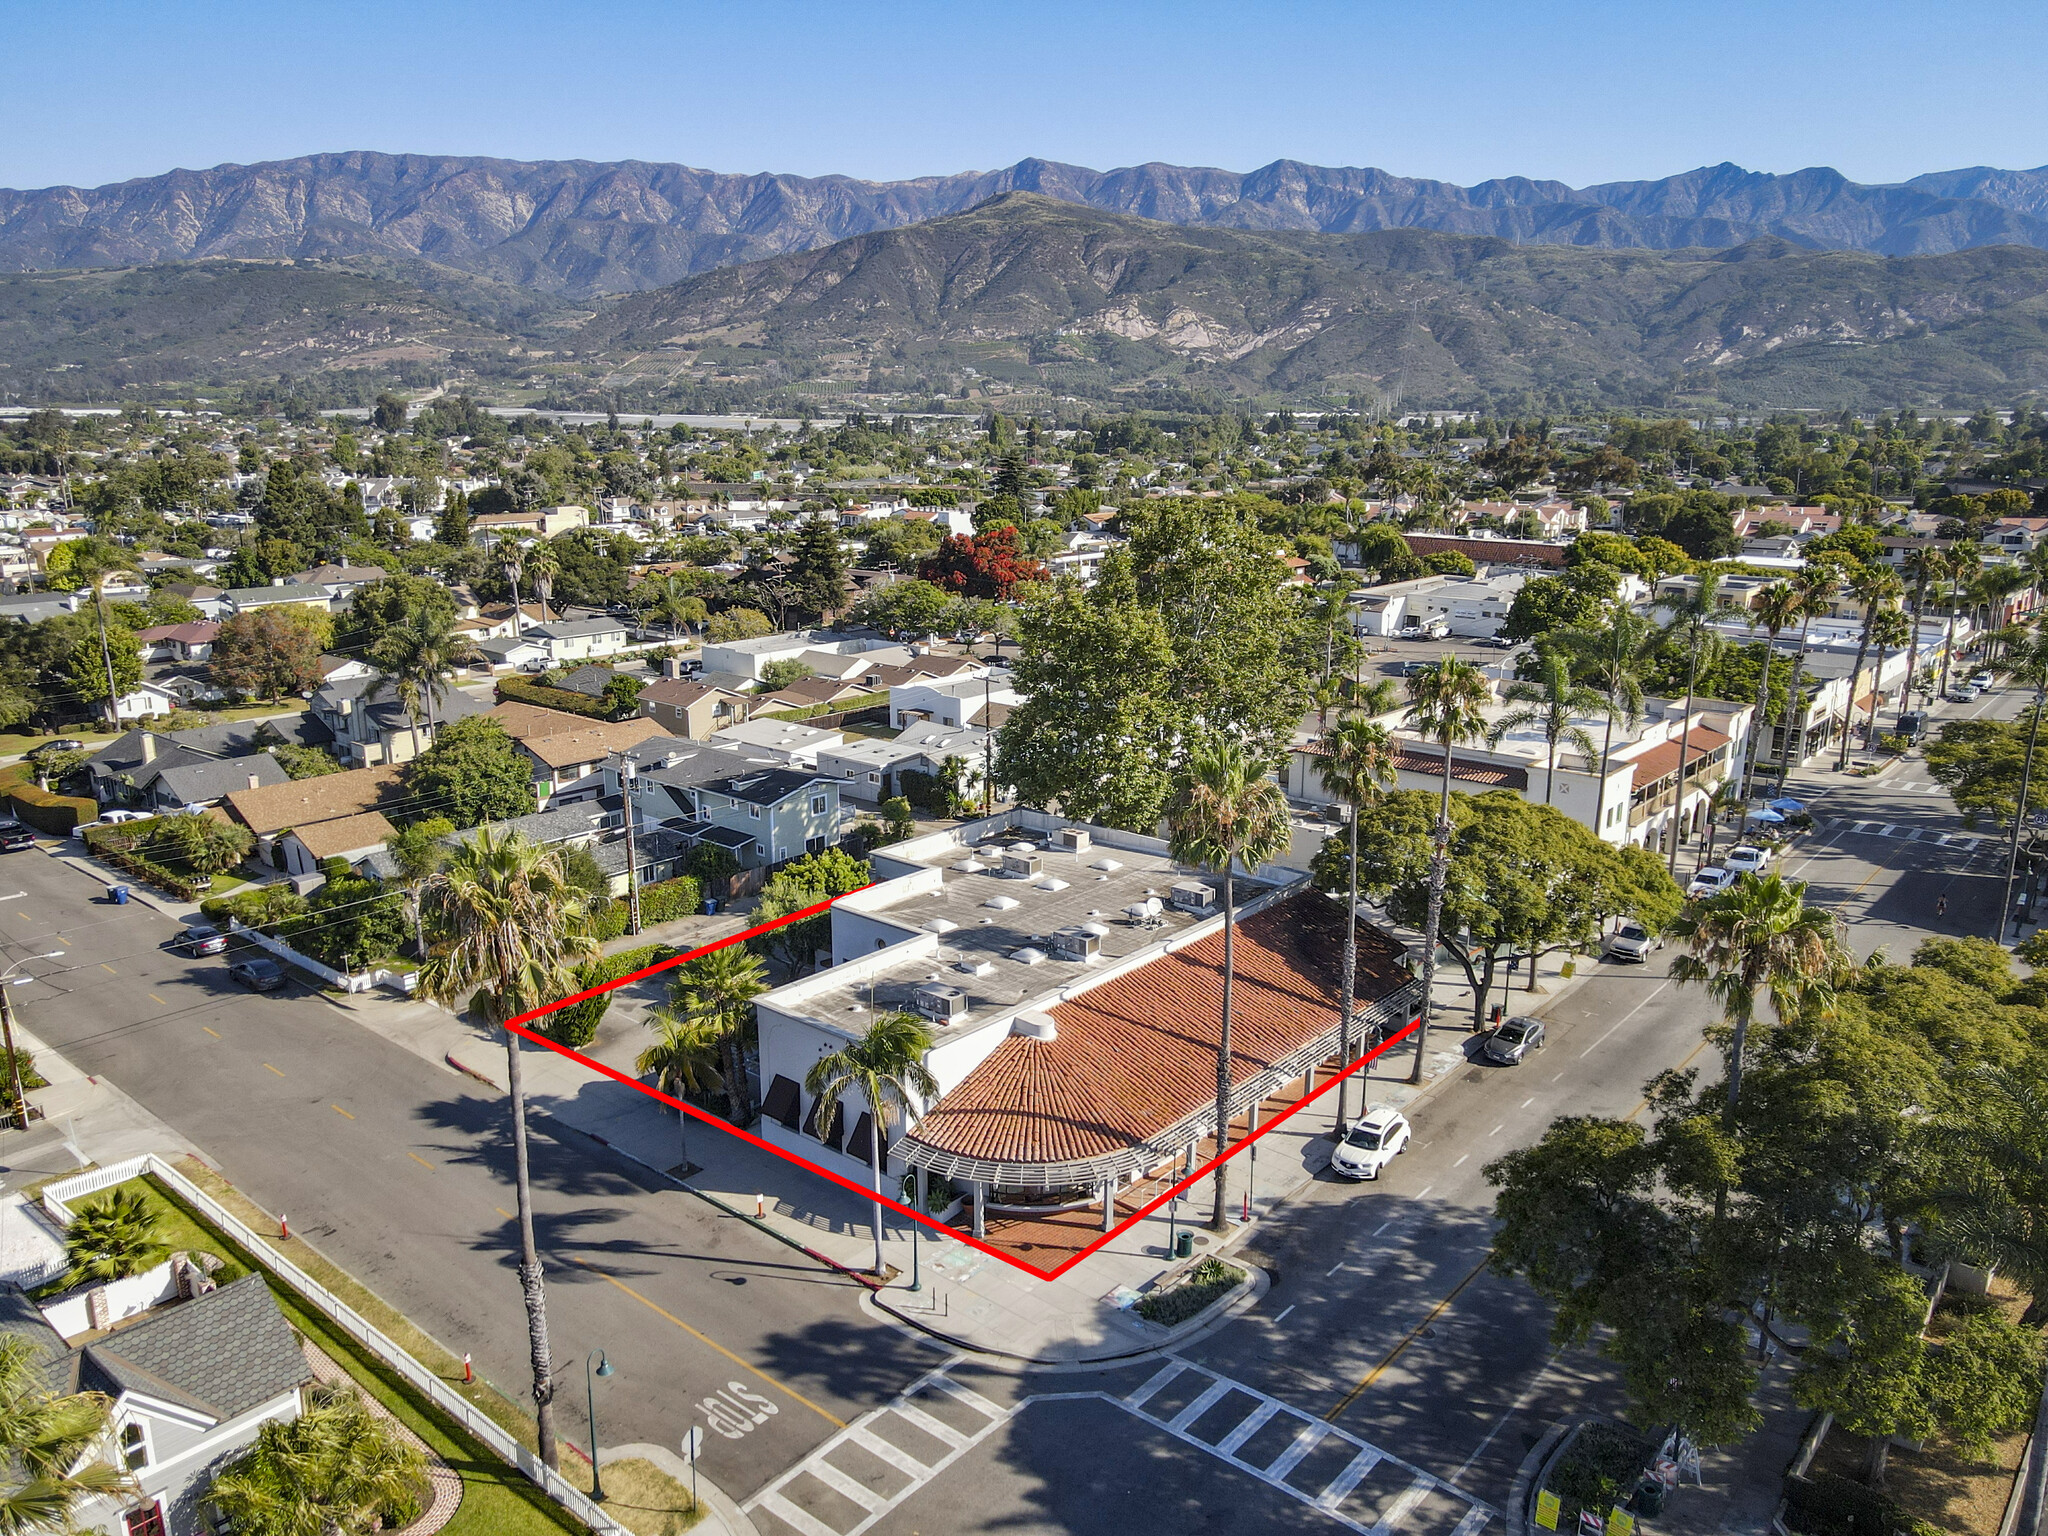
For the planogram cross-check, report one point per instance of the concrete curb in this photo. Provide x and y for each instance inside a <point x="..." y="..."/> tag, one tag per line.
<point x="1516" y="1509"/>
<point x="716" y="1501"/>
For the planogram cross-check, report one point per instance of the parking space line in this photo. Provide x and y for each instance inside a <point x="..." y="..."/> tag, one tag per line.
<point x="108" y="969"/>
<point x="158" y="1001"/>
<point x="341" y="1112"/>
<point x="211" y="1031"/>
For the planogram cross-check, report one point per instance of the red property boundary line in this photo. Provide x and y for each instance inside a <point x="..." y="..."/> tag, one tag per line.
<point x="517" y="1025"/>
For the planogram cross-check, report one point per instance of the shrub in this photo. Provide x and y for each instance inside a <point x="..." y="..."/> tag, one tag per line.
<point x="576" y="1025"/>
<point x="1597" y="1471"/>
<point x="31" y="1079"/>
<point x="671" y="899"/>
<point x="49" y="812"/>
<point x="1204" y="1285"/>
<point x="266" y="908"/>
<point x="1828" y="1504"/>
<point x="610" y="921"/>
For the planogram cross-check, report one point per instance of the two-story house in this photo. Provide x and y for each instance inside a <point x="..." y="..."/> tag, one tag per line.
<point x="370" y="724"/>
<point x="568" y="751"/>
<point x="691" y="710"/>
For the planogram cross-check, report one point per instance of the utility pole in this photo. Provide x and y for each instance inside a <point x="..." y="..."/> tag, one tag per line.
<point x="13" y="1061"/>
<point x="988" y="745"/>
<point x="629" y="777"/>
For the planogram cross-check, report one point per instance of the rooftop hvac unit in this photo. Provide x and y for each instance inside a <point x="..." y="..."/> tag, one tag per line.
<point x="1075" y="944"/>
<point x="941" y="1004"/>
<point x="1146" y="911"/>
<point x="1191" y="896"/>
<point x="1021" y="866"/>
<point x="1074" y="839"/>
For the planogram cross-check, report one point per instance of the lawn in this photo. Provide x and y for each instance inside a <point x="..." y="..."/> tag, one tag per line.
<point x="495" y="1499"/>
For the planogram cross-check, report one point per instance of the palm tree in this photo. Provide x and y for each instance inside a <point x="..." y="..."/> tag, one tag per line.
<point x="114" y="1238"/>
<point x="682" y="1060"/>
<point x="93" y="560"/>
<point x="418" y="851"/>
<point x="1994" y="1199"/>
<point x="1960" y="564"/>
<point x="1613" y="659"/>
<point x="1758" y="936"/>
<point x="49" y="1446"/>
<point x="1550" y="707"/>
<point x="1381" y="696"/>
<point x="511" y="558"/>
<point x="1876" y="588"/>
<point x="1692" y="625"/>
<point x="1891" y="631"/>
<point x="1923" y="565"/>
<point x="1447" y="707"/>
<point x="506" y="930"/>
<point x="543" y="565"/>
<point x="1777" y="606"/>
<point x="886" y="1068"/>
<point x="1225" y="809"/>
<point x="1357" y="768"/>
<point x="334" y="1471"/>
<point x="719" y="987"/>
<point x="415" y="659"/>
<point x="1816" y="585"/>
<point x="2030" y="665"/>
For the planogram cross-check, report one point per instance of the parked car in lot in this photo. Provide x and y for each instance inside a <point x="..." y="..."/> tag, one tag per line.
<point x="202" y="939"/>
<point x="14" y="836"/>
<point x="1416" y="668"/>
<point x="1747" y="859"/>
<point x="258" y="975"/>
<point x="1632" y="941"/>
<point x="1710" y="882"/>
<point x="1511" y="1040"/>
<point x="1373" y="1141"/>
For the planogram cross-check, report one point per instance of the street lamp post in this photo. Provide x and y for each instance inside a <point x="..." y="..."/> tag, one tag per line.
<point x="604" y="1368"/>
<point x="9" y="980"/>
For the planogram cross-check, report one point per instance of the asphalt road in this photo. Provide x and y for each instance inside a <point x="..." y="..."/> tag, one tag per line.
<point x="399" y="1171"/>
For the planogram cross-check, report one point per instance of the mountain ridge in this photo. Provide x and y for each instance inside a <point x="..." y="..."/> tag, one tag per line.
<point x="590" y="229"/>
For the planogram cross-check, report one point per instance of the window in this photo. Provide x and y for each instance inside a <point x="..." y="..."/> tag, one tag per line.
<point x="754" y="811"/>
<point x="817" y="805"/>
<point x="148" y="1521"/>
<point x="814" y="845"/>
<point x="874" y="778"/>
<point x="134" y="1446"/>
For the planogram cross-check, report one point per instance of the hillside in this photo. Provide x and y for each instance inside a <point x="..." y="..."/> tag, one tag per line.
<point x="1031" y="289"/>
<point x="583" y="228"/>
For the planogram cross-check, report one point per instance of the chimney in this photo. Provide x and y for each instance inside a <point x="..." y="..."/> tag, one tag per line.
<point x="255" y="781"/>
<point x="148" y="747"/>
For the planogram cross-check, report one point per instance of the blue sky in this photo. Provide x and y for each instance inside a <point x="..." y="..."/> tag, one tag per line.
<point x="1456" y="89"/>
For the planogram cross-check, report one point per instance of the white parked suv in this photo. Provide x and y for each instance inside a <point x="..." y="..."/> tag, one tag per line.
<point x="1710" y="882"/>
<point x="1632" y="941"/>
<point x="1372" y="1142"/>
<point x="1748" y="859"/>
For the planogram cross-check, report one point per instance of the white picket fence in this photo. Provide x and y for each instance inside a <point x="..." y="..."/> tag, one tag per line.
<point x="56" y="1198"/>
<point x="362" y="982"/>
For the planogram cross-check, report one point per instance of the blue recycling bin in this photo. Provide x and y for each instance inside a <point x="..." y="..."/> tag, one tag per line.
<point x="120" y="895"/>
<point x="710" y="905"/>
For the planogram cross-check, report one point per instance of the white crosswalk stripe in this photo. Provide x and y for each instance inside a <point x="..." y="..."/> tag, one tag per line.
<point x="1963" y="842"/>
<point x="785" y="1499"/>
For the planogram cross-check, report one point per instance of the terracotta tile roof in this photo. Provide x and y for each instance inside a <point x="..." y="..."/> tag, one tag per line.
<point x="345" y="834"/>
<point x="1464" y="770"/>
<point x="1138" y="1054"/>
<point x="306" y="802"/>
<point x="1661" y="760"/>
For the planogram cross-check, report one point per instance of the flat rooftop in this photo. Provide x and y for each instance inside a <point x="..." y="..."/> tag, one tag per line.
<point x="996" y="928"/>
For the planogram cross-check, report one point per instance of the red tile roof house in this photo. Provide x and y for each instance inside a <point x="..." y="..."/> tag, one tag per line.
<point x="1072" y="976"/>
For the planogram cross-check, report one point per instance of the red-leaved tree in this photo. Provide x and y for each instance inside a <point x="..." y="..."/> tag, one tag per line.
<point x="989" y="565"/>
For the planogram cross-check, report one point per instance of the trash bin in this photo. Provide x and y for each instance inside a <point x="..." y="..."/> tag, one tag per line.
<point x="120" y="895"/>
<point x="710" y="905"/>
<point x="1184" y="1245"/>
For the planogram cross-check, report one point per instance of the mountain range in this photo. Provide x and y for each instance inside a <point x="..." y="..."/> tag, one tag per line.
<point x="587" y="229"/>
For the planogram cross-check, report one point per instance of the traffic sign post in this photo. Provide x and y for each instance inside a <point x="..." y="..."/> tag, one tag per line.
<point x="692" y="1443"/>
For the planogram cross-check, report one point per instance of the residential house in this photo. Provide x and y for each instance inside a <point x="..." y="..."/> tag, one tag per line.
<point x="541" y="523"/>
<point x="779" y="741"/>
<point x="122" y="772"/>
<point x="691" y="710"/>
<point x="191" y="1383"/>
<point x="270" y="812"/>
<point x="578" y="639"/>
<point x="145" y="701"/>
<point x="784" y="811"/>
<point x="513" y="651"/>
<point x="34" y="607"/>
<point x="350" y="838"/>
<point x="246" y="599"/>
<point x="871" y="770"/>
<point x="807" y="693"/>
<point x="1074" y="1008"/>
<point x="568" y="751"/>
<point x="206" y="599"/>
<point x="190" y="786"/>
<point x="951" y="701"/>
<point x="340" y="582"/>
<point x="370" y="725"/>
<point x="598" y="826"/>
<point x="746" y="658"/>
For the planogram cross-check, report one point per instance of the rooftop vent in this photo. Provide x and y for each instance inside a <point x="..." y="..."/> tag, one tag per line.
<point x="1098" y="929"/>
<point x="1028" y="956"/>
<point x="1075" y="944"/>
<point x="1034" y="1024"/>
<point x="1021" y="866"/>
<point x="1144" y="913"/>
<point x="939" y="1003"/>
<point x="1191" y="896"/>
<point x="1022" y="848"/>
<point x="976" y="967"/>
<point x="1074" y="839"/>
<point x="1002" y="903"/>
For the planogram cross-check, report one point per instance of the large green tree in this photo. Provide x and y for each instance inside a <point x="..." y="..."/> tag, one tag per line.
<point x="473" y="773"/>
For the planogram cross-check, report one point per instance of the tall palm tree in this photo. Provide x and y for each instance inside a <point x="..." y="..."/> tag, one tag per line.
<point x="1225" y="809"/>
<point x="886" y="1068"/>
<point x="415" y="660"/>
<point x="1447" y="704"/>
<point x="1876" y="588"/>
<point x="49" y="1446"/>
<point x="94" y="560"/>
<point x="1692" y="625"/>
<point x="1551" y="707"/>
<point x="334" y="1469"/>
<point x="543" y="565"/>
<point x="1613" y="659"/>
<point x="2030" y="665"/>
<point x="505" y="927"/>
<point x="1922" y="566"/>
<point x="719" y="987"/>
<point x="1777" y="607"/>
<point x="1892" y="630"/>
<point x="512" y="559"/>
<point x="1959" y="566"/>
<point x="1357" y="768"/>
<point x="682" y="1060"/>
<point x="1757" y="937"/>
<point x="1816" y="585"/>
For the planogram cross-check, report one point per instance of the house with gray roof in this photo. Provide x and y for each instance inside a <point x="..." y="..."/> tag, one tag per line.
<point x="579" y="639"/>
<point x="242" y="599"/>
<point x="126" y="770"/>
<point x="370" y="726"/>
<point x="192" y="1384"/>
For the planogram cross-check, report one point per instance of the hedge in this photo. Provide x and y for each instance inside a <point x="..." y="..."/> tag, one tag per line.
<point x="852" y="705"/>
<point x="1828" y="1504"/>
<point x="111" y="845"/>
<point x="671" y="899"/>
<point x="576" y="1025"/>
<point x="518" y="690"/>
<point x="49" y="812"/>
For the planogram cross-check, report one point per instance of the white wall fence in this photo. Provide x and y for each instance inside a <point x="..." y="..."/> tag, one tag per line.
<point x="284" y="952"/>
<point x="345" y="1317"/>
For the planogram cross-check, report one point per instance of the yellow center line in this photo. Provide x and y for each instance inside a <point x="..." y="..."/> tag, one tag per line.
<point x="269" y="1068"/>
<point x="341" y="1112"/>
<point x="211" y="1031"/>
<point x="789" y="1392"/>
<point x="108" y="969"/>
<point x="158" y="1001"/>
<point x="421" y="1161"/>
<point x="1439" y="1309"/>
<point x="504" y="1213"/>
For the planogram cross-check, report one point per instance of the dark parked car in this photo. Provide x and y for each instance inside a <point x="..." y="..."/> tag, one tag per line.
<point x="14" y="837"/>
<point x="1513" y="1040"/>
<point x="202" y="939"/>
<point x="258" y="975"/>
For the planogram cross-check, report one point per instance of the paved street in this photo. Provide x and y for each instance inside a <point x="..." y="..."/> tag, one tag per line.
<point x="1384" y="1379"/>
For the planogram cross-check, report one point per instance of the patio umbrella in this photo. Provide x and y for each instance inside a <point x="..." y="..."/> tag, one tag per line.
<point x="1789" y="807"/>
<point x="1768" y="818"/>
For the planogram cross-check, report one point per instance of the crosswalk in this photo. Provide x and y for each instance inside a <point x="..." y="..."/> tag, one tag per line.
<point x="1961" y="842"/>
<point x="868" y="1469"/>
